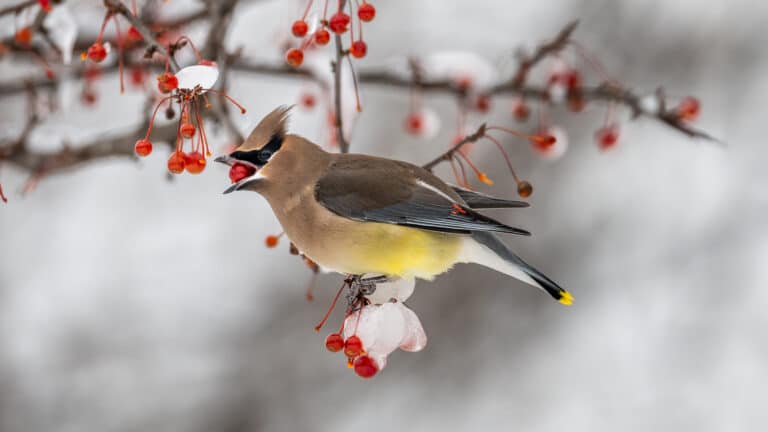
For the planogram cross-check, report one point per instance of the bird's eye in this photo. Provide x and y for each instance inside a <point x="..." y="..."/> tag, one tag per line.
<point x="264" y="155"/>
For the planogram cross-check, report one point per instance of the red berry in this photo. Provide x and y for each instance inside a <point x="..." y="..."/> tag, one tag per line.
<point x="339" y="22"/>
<point x="414" y="123"/>
<point x="271" y="241"/>
<point x="358" y="49"/>
<point x="483" y="103"/>
<point x="134" y="35"/>
<point x="334" y="342"/>
<point x="187" y="130"/>
<point x="572" y="79"/>
<point x="299" y="28"/>
<point x="97" y="53"/>
<point x="143" y="147"/>
<point x="366" y="12"/>
<point x="240" y="171"/>
<point x="176" y="162"/>
<point x="194" y="162"/>
<point x="89" y="96"/>
<point x="365" y="367"/>
<point x="322" y="37"/>
<point x="543" y="142"/>
<point x="23" y="36"/>
<point x="689" y="108"/>
<point x="307" y="100"/>
<point x="520" y="110"/>
<point x="294" y="57"/>
<point x="607" y="137"/>
<point x="167" y="82"/>
<point x="353" y="346"/>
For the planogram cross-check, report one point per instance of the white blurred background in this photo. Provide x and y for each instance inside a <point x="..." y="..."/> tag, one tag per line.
<point x="128" y="302"/>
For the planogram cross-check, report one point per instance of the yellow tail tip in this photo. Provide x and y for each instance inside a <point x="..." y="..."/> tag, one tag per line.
<point x="566" y="298"/>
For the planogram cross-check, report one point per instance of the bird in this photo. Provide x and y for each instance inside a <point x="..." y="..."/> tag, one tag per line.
<point x="357" y="214"/>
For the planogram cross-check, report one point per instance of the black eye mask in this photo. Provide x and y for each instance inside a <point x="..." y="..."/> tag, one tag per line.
<point x="261" y="157"/>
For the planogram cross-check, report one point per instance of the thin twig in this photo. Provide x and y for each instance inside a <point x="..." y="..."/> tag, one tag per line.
<point x="340" y="138"/>
<point x="448" y="154"/>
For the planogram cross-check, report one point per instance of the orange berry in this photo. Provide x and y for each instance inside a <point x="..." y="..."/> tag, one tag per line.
<point x="167" y="82"/>
<point x="353" y="346"/>
<point x="194" y="162"/>
<point x="322" y="37"/>
<point x="187" y="130"/>
<point x="484" y="178"/>
<point x="334" y="342"/>
<point x="294" y="57"/>
<point x="299" y="28"/>
<point x="23" y="36"/>
<point x="176" y="162"/>
<point x="358" y="49"/>
<point x="271" y="241"/>
<point x="524" y="189"/>
<point x="143" y="147"/>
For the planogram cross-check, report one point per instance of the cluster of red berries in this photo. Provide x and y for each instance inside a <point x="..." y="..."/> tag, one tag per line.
<point x="353" y="349"/>
<point x="339" y="23"/>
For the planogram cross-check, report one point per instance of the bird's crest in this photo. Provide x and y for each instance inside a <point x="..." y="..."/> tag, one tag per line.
<point x="272" y="127"/>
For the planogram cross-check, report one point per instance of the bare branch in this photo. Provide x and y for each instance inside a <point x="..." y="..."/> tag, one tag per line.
<point x="543" y="51"/>
<point x="448" y="155"/>
<point x="340" y="53"/>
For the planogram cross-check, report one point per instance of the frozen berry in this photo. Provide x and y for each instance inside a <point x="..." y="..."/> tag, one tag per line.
<point x="353" y="346"/>
<point x="365" y="367"/>
<point x="334" y="342"/>
<point x="143" y="147"/>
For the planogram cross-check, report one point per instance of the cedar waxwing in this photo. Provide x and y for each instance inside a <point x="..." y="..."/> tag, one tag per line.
<point x="358" y="214"/>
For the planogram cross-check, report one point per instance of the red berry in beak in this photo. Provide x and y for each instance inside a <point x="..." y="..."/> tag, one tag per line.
<point x="176" y="162"/>
<point x="334" y="342"/>
<point x="365" y="367"/>
<point x="240" y="171"/>
<point x="143" y="147"/>
<point x="194" y="162"/>
<point x="97" y="53"/>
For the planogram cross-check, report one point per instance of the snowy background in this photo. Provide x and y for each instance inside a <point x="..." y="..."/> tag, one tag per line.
<point x="130" y="303"/>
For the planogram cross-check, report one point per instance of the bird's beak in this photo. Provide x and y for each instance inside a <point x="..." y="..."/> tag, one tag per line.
<point x="245" y="181"/>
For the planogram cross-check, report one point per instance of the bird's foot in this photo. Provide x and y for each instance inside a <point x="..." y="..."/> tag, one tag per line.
<point x="360" y="287"/>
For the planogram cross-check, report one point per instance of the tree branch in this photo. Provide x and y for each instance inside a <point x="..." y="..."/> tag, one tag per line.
<point x="340" y="138"/>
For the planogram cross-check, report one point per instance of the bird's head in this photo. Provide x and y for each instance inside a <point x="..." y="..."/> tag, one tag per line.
<point x="249" y="160"/>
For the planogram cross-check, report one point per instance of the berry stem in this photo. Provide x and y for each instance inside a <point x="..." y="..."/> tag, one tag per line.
<point x="506" y="156"/>
<point x="229" y="98"/>
<point x="120" y="65"/>
<point x="306" y="11"/>
<point x="330" y="309"/>
<point x="152" y="119"/>
<point x="191" y="44"/>
<point x="354" y="82"/>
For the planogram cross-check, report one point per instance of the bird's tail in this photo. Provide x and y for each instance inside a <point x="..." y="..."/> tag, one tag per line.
<point x="486" y="249"/>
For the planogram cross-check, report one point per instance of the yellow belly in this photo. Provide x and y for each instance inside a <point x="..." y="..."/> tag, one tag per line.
<point x="390" y="250"/>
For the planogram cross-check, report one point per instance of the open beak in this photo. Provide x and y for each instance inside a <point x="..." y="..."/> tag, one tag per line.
<point x="250" y="172"/>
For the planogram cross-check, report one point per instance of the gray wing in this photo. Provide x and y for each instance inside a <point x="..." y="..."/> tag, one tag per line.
<point x="381" y="190"/>
<point x="477" y="200"/>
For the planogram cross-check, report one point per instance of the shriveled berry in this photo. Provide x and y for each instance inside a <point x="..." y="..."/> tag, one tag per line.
<point x="365" y="367"/>
<point x="97" y="53"/>
<point x="194" y="162"/>
<point x="240" y="171"/>
<point x="358" y="49"/>
<point x="607" y="137"/>
<point x="339" y="22"/>
<point x="524" y="189"/>
<point x="294" y="57"/>
<point x="167" y="82"/>
<point x="334" y="342"/>
<point x="366" y="12"/>
<point x="299" y="28"/>
<point x="143" y="147"/>
<point x="353" y="346"/>
<point x="176" y="162"/>
<point x="187" y="130"/>
<point x="322" y="37"/>
<point x="271" y="241"/>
